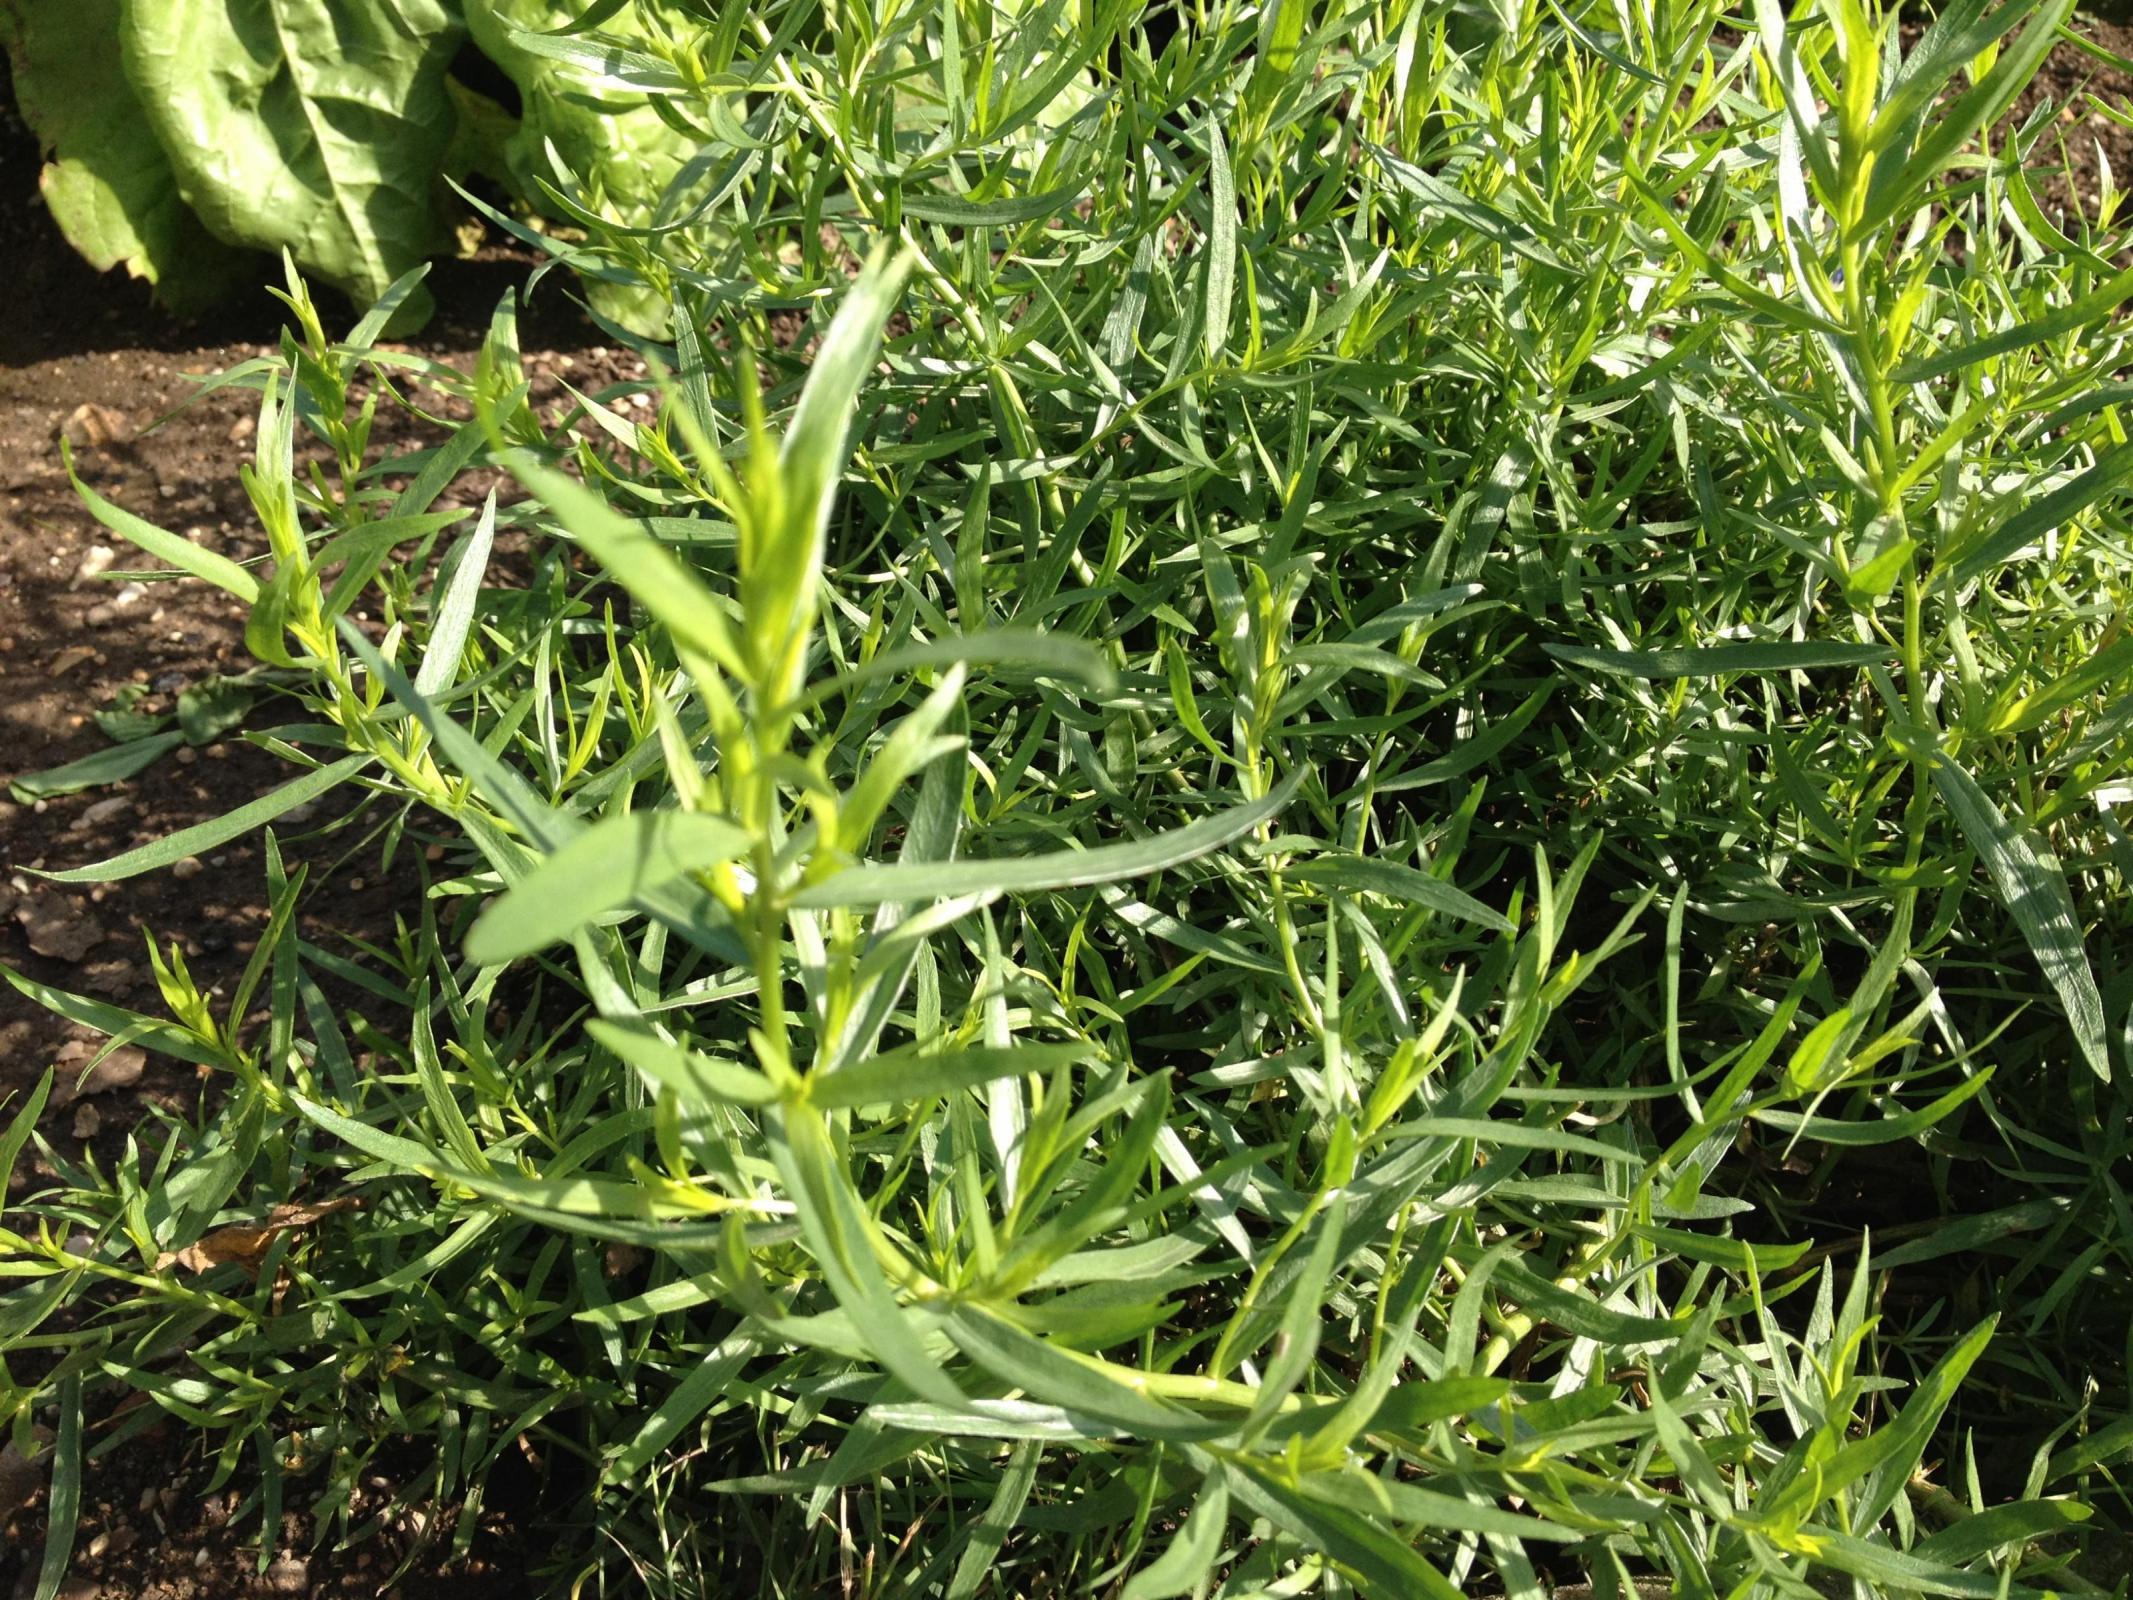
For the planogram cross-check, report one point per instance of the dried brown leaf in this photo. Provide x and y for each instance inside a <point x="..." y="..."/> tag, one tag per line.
<point x="246" y="1245"/>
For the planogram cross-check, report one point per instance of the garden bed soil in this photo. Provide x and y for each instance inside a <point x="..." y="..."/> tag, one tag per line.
<point x="90" y="357"/>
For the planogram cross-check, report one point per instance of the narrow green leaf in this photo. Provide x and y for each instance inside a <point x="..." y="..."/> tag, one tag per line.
<point x="618" y="860"/>
<point x="1362" y="875"/>
<point x="1220" y="285"/>
<point x="699" y="1079"/>
<point x="914" y="1073"/>
<point x="220" y="830"/>
<point x="990" y="1531"/>
<point x="1998" y="1528"/>
<point x="2035" y="894"/>
<point x="1888" y="1130"/>
<point x="1383" y="1562"/>
<point x="2037" y="515"/>
<point x="166" y="547"/>
<point x="653" y="574"/>
<point x="1065" y="869"/>
<point x="955" y="211"/>
<point x="1190" y="1557"/>
<point x="684" y="1403"/>
<point x="115" y="1021"/>
<point x="1716" y="660"/>
<point x="1062" y="1378"/>
<point x="113" y="764"/>
<point x="63" y="1507"/>
<point x="837" y="1231"/>
<point x="452" y="605"/>
<point x="2094" y="306"/>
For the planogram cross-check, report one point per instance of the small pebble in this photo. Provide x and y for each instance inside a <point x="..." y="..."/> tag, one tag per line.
<point x="96" y="559"/>
<point x="187" y="755"/>
<point x="103" y="811"/>
<point x="185" y="867"/>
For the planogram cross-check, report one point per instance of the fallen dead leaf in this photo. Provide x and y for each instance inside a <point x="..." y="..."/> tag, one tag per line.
<point x="121" y="1069"/>
<point x="20" y="1477"/>
<point x="246" y="1245"/>
<point x="68" y="659"/>
<point x="91" y="427"/>
<point x="56" y="929"/>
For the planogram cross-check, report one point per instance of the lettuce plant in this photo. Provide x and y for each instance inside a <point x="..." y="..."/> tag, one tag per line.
<point x="110" y="186"/>
<point x="184" y="133"/>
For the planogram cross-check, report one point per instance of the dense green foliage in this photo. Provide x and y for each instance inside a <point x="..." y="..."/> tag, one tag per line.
<point x="1359" y="837"/>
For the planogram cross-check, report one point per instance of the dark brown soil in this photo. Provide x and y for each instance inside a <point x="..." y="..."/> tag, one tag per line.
<point x="2085" y="139"/>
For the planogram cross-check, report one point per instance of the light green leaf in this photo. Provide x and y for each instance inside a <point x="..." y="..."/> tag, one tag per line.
<point x="616" y="861"/>
<point x="1385" y="1564"/>
<point x="654" y="575"/>
<point x="183" y="554"/>
<point x="108" y="183"/>
<point x="1221" y="275"/>
<point x="1063" y="1378"/>
<point x="699" y="1079"/>
<point x="1191" y="1555"/>
<point x="1064" y="869"/>
<point x="313" y="126"/>
<point x="111" y="764"/>
<point x="2033" y="515"/>
<point x="2034" y="892"/>
<point x="957" y="212"/>
<point x="1791" y="655"/>
<point x="112" y="1021"/>
<point x="837" y="1231"/>
<point x="913" y="1074"/>
<point x="2000" y="1528"/>
<point x="1395" y="881"/>
<point x="219" y="830"/>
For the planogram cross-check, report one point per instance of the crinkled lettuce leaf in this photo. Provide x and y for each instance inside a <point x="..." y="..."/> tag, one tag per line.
<point x="316" y="126"/>
<point x="111" y="189"/>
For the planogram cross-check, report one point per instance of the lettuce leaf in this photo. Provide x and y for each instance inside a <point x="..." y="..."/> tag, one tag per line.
<point x="111" y="189"/>
<point x="315" y="126"/>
